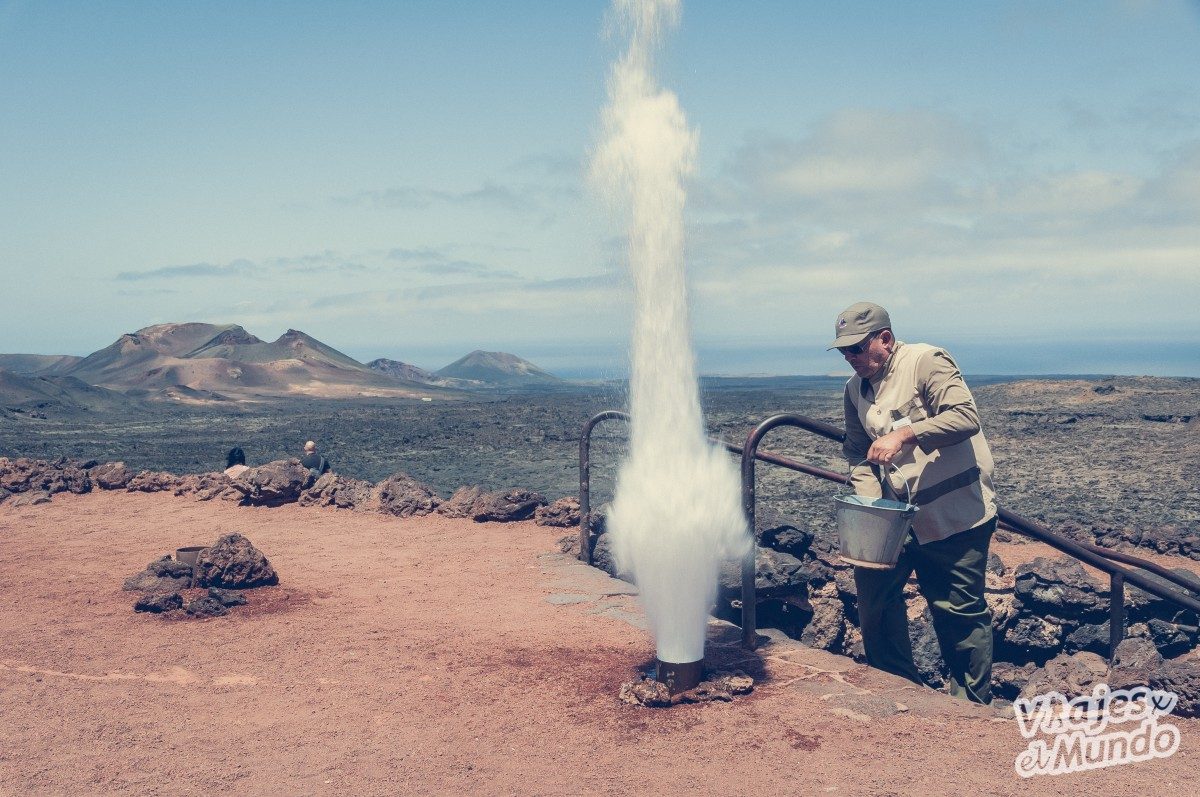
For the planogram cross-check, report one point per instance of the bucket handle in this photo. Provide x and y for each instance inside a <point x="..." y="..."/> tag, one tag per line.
<point x="908" y="494"/>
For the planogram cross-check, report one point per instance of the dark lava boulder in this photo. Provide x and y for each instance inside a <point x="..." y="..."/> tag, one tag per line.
<point x="602" y="557"/>
<point x="1070" y="674"/>
<point x="161" y="575"/>
<point x="562" y="513"/>
<point x="234" y="563"/>
<point x="1060" y="586"/>
<point x="507" y="506"/>
<point x="227" y="597"/>
<point x="1039" y="636"/>
<point x="404" y="496"/>
<point x="1181" y="676"/>
<point x="775" y="575"/>
<point x="1008" y="679"/>
<point x="787" y="539"/>
<point x="4" y="493"/>
<point x="1136" y="663"/>
<point x="341" y="492"/>
<point x="462" y="503"/>
<point x="927" y="654"/>
<point x="152" y="481"/>
<point x="111" y="476"/>
<point x="827" y="627"/>
<point x="272" y="484"/>
<point x="206" y="607"/>
<point x="158" y="602"/>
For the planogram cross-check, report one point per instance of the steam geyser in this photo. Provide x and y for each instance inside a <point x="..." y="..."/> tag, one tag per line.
<point x="676" y="513"/>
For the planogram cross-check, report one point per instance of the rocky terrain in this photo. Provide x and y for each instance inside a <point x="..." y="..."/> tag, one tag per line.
<point x="1101" y="460"/>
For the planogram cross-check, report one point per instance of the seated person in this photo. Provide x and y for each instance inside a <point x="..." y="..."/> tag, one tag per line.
<point x="235" y="463"/>
<point x="315" y="463"/>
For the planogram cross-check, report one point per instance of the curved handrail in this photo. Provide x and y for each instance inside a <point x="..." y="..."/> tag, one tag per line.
<point x="1100" y="558"/>
<point x="585" y="480"/>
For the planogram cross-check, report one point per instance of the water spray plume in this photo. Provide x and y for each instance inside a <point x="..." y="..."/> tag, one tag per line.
<point x="677" y="510"/>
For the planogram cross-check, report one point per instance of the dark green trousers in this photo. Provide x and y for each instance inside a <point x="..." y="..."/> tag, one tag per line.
<point x="950" y="574"/>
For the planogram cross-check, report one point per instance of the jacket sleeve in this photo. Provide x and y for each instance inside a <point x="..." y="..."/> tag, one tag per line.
<point x="953" y="416"/>
<point x="862" y="477"/>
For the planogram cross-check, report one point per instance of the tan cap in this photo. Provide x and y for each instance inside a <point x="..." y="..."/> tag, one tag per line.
<point x="857" y="321"/>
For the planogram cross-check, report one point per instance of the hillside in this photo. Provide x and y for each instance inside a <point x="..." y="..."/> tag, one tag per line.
<point x="197" y="362"/>
<point x="37" y="364"/>
<point x="498" y="368"/>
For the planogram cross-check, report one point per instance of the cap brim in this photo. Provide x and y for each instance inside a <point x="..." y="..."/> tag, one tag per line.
<point x="849" y="340"/>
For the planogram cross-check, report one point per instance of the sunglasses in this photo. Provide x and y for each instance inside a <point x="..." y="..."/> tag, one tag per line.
<point x="858" y="348"/>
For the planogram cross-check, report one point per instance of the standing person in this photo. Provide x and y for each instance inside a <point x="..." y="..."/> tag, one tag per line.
<point x="911" y="418"/>
<point x="315" y="463"/>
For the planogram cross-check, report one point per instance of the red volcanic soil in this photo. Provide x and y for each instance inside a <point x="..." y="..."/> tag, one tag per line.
<point x="432" y="656"/>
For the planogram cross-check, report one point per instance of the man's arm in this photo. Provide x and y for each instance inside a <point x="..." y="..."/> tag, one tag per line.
<point x="953" y="416"/>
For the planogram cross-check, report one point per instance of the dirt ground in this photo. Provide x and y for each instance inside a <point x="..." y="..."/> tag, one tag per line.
<point x="433" y="656"/>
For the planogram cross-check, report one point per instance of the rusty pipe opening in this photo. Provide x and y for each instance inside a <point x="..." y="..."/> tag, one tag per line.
<point x="679" y="677"/>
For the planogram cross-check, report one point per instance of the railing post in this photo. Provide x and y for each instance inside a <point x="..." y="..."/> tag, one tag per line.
<point x="1116" y="613"/>
<point x="585" y="480"/>
<point x="749" y="564"/>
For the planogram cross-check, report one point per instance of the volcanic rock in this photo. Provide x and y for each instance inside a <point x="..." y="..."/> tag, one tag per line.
<point x="1069" y="674"/>
<point x="31" y="475"/>
<point x="462" y="503"/>
<point x="927" y="654"/>
<point x="1170" y="639"/>
<point x="4" y="493"/>
<point x="404" y="496"/>
<point x="775" y="575"/>
<point x="111" y="476"/>
<point x="206" y="607"/>
<point x="227" y="597"/>
<point x="162" y="575"/>
<point x="1037" y="634"/>
<point x="206" y="486"/>
<point x="234" y="563"/>
<point x="272" y="484"/>
<point x="1136" y="663"/>
<point x="32" y="498"/>
<point x="602" y="557"/>
<point x="158" y="602"/>
<point x="1060" y="586"/>
<point x="787" y="539"/>
<point x="562" y="513"/>
<point x="342" y="492"/>
<point x="827" y="628"/>
<point x="1008" y="679"/>
<point x="1182" y="676"/>
<point x="648" y="692"/>
<point x="507" y="506"/>
<point x="149" y="481"/>
<point x="1090" y="637"/>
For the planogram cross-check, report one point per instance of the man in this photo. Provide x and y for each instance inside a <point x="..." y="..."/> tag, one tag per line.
<point x="911" y="424"/>
<point x="315" y="463"/>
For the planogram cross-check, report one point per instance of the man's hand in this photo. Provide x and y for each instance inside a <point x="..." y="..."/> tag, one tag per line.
<point x="888" y="447"/>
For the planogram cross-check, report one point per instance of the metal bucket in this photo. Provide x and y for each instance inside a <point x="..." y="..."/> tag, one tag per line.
<point x="872" y="530"/>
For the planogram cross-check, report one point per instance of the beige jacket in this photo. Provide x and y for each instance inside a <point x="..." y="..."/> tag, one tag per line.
<point x="949" y="470"/>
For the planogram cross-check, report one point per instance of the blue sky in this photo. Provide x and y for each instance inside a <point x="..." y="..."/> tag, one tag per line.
<point x="1017" y="181"/>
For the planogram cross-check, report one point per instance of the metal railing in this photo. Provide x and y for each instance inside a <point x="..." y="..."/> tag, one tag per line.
<point x="1102" y="559"/>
